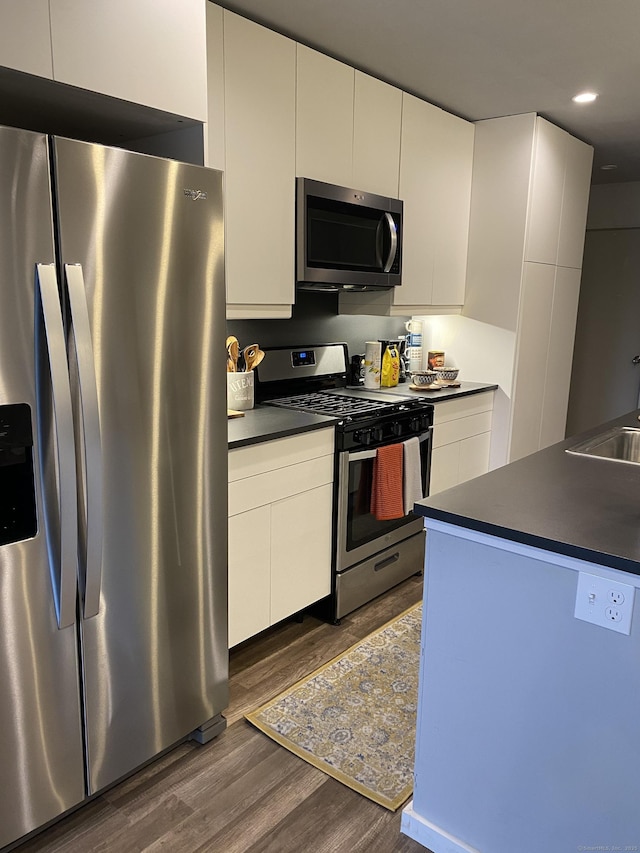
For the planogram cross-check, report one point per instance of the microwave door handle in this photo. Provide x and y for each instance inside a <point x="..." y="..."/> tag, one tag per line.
<point x="393" y="240"/>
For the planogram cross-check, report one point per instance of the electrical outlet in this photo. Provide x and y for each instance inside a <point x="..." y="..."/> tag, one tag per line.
<point x="604" y="602"/>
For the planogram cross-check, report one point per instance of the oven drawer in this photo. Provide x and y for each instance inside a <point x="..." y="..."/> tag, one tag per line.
<point x="364" y="581"/>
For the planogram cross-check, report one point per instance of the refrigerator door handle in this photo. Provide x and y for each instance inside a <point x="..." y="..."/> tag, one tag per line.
<point x="91" y="437"/>
<point x="63" y="559"/>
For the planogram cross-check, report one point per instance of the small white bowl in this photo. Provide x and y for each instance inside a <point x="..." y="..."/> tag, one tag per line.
<point x="447" y="374"/>
<point x="424" y="377"/>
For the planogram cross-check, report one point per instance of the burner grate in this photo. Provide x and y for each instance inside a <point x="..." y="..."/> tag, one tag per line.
<point x="331" y="404"/>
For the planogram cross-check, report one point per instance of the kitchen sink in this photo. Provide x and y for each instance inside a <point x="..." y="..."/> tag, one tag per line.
<point x="622" y="444"/>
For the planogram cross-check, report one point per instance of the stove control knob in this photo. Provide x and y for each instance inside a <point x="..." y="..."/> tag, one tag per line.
<point x="363" y="436"/>
<point x="396" y="428"/>
<point x="378" y="433"/>
<point x="414" y="424"/>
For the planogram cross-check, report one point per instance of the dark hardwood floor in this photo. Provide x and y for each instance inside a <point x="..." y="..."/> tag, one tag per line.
<point x="242" y="793"/>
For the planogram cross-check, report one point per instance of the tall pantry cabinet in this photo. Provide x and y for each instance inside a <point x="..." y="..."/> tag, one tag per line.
<point x="528" y="213"/>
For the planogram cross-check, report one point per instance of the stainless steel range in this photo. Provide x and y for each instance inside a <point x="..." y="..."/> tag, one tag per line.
<point x="376" y="544"/>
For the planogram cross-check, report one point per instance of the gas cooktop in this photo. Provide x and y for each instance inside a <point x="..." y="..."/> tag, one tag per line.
<point x="313" y="379"/>
<point x="341" y="404"/>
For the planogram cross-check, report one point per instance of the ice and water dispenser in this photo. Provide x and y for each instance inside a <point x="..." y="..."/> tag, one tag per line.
<point x="17" y="490"/>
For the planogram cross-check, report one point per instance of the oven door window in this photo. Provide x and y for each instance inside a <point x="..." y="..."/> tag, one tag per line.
<point x="362" y="525"/>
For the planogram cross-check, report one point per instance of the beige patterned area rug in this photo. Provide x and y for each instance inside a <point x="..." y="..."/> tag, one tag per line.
<point x="355" y="717"/>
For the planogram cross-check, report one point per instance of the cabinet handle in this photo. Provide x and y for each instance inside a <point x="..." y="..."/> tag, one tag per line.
<point x="388" y="562"/>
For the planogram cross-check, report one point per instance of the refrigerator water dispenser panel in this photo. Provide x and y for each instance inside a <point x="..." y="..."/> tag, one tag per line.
<point x="17" y="489"/>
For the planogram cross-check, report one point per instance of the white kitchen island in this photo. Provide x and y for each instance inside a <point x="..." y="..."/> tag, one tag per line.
<point x="528" y="735"/>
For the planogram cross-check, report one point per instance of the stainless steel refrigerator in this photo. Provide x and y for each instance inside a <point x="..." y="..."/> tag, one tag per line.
<point x="113" y="454"/>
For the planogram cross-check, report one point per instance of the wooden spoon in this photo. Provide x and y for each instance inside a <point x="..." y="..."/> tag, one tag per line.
<point x="257" y="358"/>
<point x="249" y="354"/>
<point x="233" y="350"/>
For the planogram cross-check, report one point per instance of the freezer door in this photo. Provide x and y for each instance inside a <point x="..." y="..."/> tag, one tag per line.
<point x="145" y="235"/>
<point x="41" y="755"/>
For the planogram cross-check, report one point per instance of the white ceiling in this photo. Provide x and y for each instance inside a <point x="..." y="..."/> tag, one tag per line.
<point x="485" y="58"/>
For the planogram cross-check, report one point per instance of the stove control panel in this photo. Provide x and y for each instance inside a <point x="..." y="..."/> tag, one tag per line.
<point x="385" y="430"/>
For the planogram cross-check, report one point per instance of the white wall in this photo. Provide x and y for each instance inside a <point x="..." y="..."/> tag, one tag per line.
<point x="483" y="353"/>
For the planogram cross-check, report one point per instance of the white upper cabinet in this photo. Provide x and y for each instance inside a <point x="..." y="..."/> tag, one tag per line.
<point x="324" y="118"/>
<point x="436" y="161"/>
<point x="255" y="104"/>
<point x="559" y="197"/>
<point x="545" y="200"/>
<point x="347" y="126"/>
<point x="147" y="52"/>
<point x="435" y="184"/>
<point x="417" y="190"/>
<point x="25" y="37"/>
<point x="575" y="202"/>
<point x="376" y="136"/>
<point x="214" y="129"/>
<point x="453" y="154"/>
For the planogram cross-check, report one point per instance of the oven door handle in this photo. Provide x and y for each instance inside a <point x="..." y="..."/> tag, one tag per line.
<point x="362" y="454"/>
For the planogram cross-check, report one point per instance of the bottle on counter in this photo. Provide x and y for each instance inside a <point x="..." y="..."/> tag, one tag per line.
<point x="390" y="370"/>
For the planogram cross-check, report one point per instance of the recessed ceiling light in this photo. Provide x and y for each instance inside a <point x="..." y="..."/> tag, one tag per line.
<point x="584" y="97"/>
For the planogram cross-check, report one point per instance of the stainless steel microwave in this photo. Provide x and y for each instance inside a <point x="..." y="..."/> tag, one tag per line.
<point x="346" y="238"/>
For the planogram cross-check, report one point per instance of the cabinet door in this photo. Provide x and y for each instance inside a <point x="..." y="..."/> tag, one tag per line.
<point x="575" y="201"/>
<point x="445" y="465"/>
<point x="545" y="206"/>
<point x="300" y="551"/>
<point x="435" y="183"/>
<point x="531" y="366"/>
<point x="25" y="37"/>
<point x="474" y="456"/>
<point x="249" y="573"/>
<point x="215" y="153"/>
<point x="376" y="136"/>
<point x="259" y="175"/>
<point x="560" y="356"/>
<point x="324" y="118"/>
<point x="146" y="52"/>
<point x="452" y="156"/>
<point x="417" y="185"/>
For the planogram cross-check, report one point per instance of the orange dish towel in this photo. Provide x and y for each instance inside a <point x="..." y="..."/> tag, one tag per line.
<point x="387" y="491"/>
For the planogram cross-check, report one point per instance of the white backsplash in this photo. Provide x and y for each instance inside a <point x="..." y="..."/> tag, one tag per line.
<point x="483" y="353"/>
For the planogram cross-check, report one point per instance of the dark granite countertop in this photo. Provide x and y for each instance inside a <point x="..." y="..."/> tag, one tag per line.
<point x="264" y="423"/>
<point x="464" y="390"/>
<point x="569" y="504"/>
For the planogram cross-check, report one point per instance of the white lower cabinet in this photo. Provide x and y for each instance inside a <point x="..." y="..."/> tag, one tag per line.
<point x="249" y="573"/>
<point x="280" y="517"/>
<point x="461" y="440"/>
<point x="300" y="551"/>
